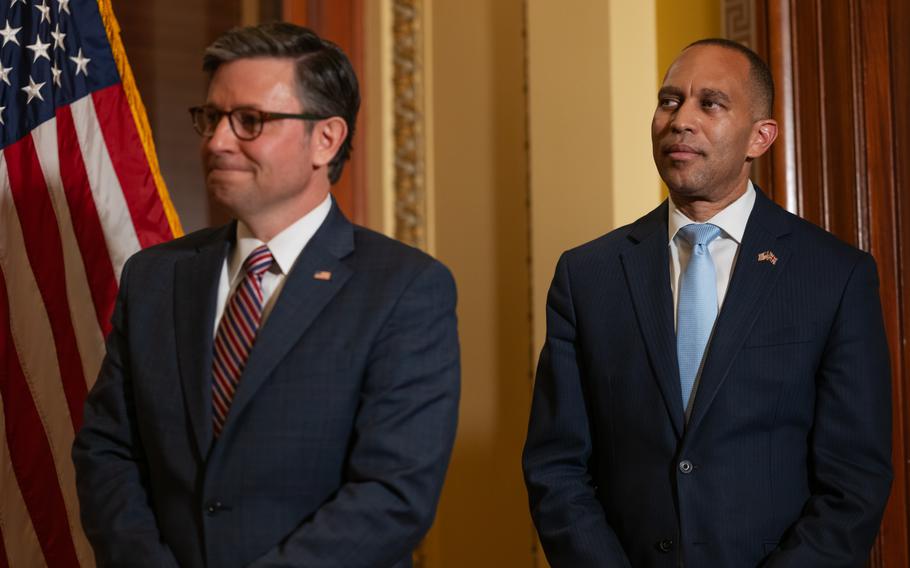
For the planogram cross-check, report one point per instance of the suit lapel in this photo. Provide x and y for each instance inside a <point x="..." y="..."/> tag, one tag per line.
<point x="750" y="284"/>
<point x="647" y="269"/>
<point x="302" y="298"/>
<point x="195" y="293"/>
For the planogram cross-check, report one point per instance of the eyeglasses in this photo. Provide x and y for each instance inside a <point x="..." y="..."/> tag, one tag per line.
<point x="246" y="123"/>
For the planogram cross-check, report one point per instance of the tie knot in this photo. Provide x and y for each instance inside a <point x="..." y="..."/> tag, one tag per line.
<point x="259" y="261"/>
<point x="699" y="233"/>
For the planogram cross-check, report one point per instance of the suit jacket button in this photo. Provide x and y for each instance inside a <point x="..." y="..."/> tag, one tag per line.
<point x="213" y="507"/>
<point x="685" y="466"/>
<point x="665" y="545"/>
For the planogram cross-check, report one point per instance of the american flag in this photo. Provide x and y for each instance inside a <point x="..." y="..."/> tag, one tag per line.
<point x="80" y="191"/>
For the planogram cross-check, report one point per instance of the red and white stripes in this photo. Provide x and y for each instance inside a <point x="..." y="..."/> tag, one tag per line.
<point x="77" y="198"/>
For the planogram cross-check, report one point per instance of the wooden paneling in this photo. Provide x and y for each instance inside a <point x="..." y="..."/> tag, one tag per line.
<point x="899" y="19"/>
<point x="841" y="71"/>
<point x="139" y="43"/>
<point x="875" y="210"/>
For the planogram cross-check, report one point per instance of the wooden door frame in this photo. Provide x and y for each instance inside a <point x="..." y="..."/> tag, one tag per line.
<point x="865" y="206"/>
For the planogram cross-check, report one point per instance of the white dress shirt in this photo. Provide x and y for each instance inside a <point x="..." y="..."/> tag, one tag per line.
<point x="732" y="222"/>
<point x="286" y="246"/>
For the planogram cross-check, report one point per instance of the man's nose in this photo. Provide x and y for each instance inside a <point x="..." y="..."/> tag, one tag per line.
<point x="685" y="118"/>
<point x="223" y="136"/>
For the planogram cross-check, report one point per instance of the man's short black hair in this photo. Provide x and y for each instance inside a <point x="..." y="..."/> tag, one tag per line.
<point x="759" y="73"/>
<point x="326" y="82"/>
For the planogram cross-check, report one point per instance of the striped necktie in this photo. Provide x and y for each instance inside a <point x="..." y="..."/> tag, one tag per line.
<point x="237" y="333"/>
<point x="697" y="307"/>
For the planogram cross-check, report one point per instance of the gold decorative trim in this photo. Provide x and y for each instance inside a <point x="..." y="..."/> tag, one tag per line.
<point x="739" y="21"/>
<point x="408" y="132"/>
<point x="409" y="127"/>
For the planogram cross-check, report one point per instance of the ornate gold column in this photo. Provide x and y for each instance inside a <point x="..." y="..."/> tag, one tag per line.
<point x="409" y="143"/>
<point x="409" y="181"/>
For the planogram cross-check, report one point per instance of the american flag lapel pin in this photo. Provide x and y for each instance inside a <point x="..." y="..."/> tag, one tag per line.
<point x="322" y="275"/>
<point x="767" y="256"/>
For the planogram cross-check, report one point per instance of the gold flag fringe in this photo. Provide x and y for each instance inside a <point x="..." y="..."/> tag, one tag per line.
<point x="138" y="110"/>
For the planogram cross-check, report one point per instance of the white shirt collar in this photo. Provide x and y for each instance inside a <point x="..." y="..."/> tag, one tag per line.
<point x="286" y="246"/>
<point x="731" y="219"/>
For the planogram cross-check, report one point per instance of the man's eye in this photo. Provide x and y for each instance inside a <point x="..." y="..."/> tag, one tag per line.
<point x="248" y="120"/>
<point x="668" y="103"/>
<point x="210" y="115"/>
<point x="708" y="104"/>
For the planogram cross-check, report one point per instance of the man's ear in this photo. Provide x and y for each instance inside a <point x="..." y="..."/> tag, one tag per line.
<point x="764" y="133"/>
<point x="327" y="136"/>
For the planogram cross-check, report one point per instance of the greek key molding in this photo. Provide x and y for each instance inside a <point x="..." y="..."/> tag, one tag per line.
<point x="739" y="21"/>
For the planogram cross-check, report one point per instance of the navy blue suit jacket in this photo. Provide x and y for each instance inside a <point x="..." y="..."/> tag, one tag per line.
<point x="338" y="438"/>
<point x="785" y="459"/>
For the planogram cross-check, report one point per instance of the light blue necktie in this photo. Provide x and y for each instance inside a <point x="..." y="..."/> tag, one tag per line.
<point x="697" y="308"/>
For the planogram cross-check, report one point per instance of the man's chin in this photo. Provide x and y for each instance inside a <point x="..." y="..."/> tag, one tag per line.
<point x="225" y="194"/>
<point x="682" y="185"/>
<point x="228" y="180"/>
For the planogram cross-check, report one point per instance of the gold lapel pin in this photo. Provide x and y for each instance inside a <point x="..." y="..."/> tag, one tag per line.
<point x="767" y="256"/>
<point x="323" y="275"/>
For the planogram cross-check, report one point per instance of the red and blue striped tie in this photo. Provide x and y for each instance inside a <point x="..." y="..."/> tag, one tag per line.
<point x="237" y="333"/>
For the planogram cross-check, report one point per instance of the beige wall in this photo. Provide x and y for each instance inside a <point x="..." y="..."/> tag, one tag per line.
<point x="591" y="87"/>
<point x="479" y="176"/>
<point x="681" y="23"/>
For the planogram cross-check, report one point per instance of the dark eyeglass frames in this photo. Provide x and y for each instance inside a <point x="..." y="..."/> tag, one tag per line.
<point x="246" y="123"/>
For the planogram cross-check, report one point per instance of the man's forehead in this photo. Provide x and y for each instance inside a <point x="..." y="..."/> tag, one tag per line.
<point x="254" y="72"/>
<point x="255" y="82"/>
<point x="712" y="63"/>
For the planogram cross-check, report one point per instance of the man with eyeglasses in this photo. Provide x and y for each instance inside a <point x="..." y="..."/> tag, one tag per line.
<point x="283" y="390"/>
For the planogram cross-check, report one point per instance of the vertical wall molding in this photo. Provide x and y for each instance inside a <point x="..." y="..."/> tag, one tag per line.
<point x="409" y="123"/>
<point x="408" y="131"/>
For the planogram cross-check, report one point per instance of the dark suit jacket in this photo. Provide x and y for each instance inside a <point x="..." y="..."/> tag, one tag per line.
<point x="785" y="460"/>
<point x="339" y="435"/>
